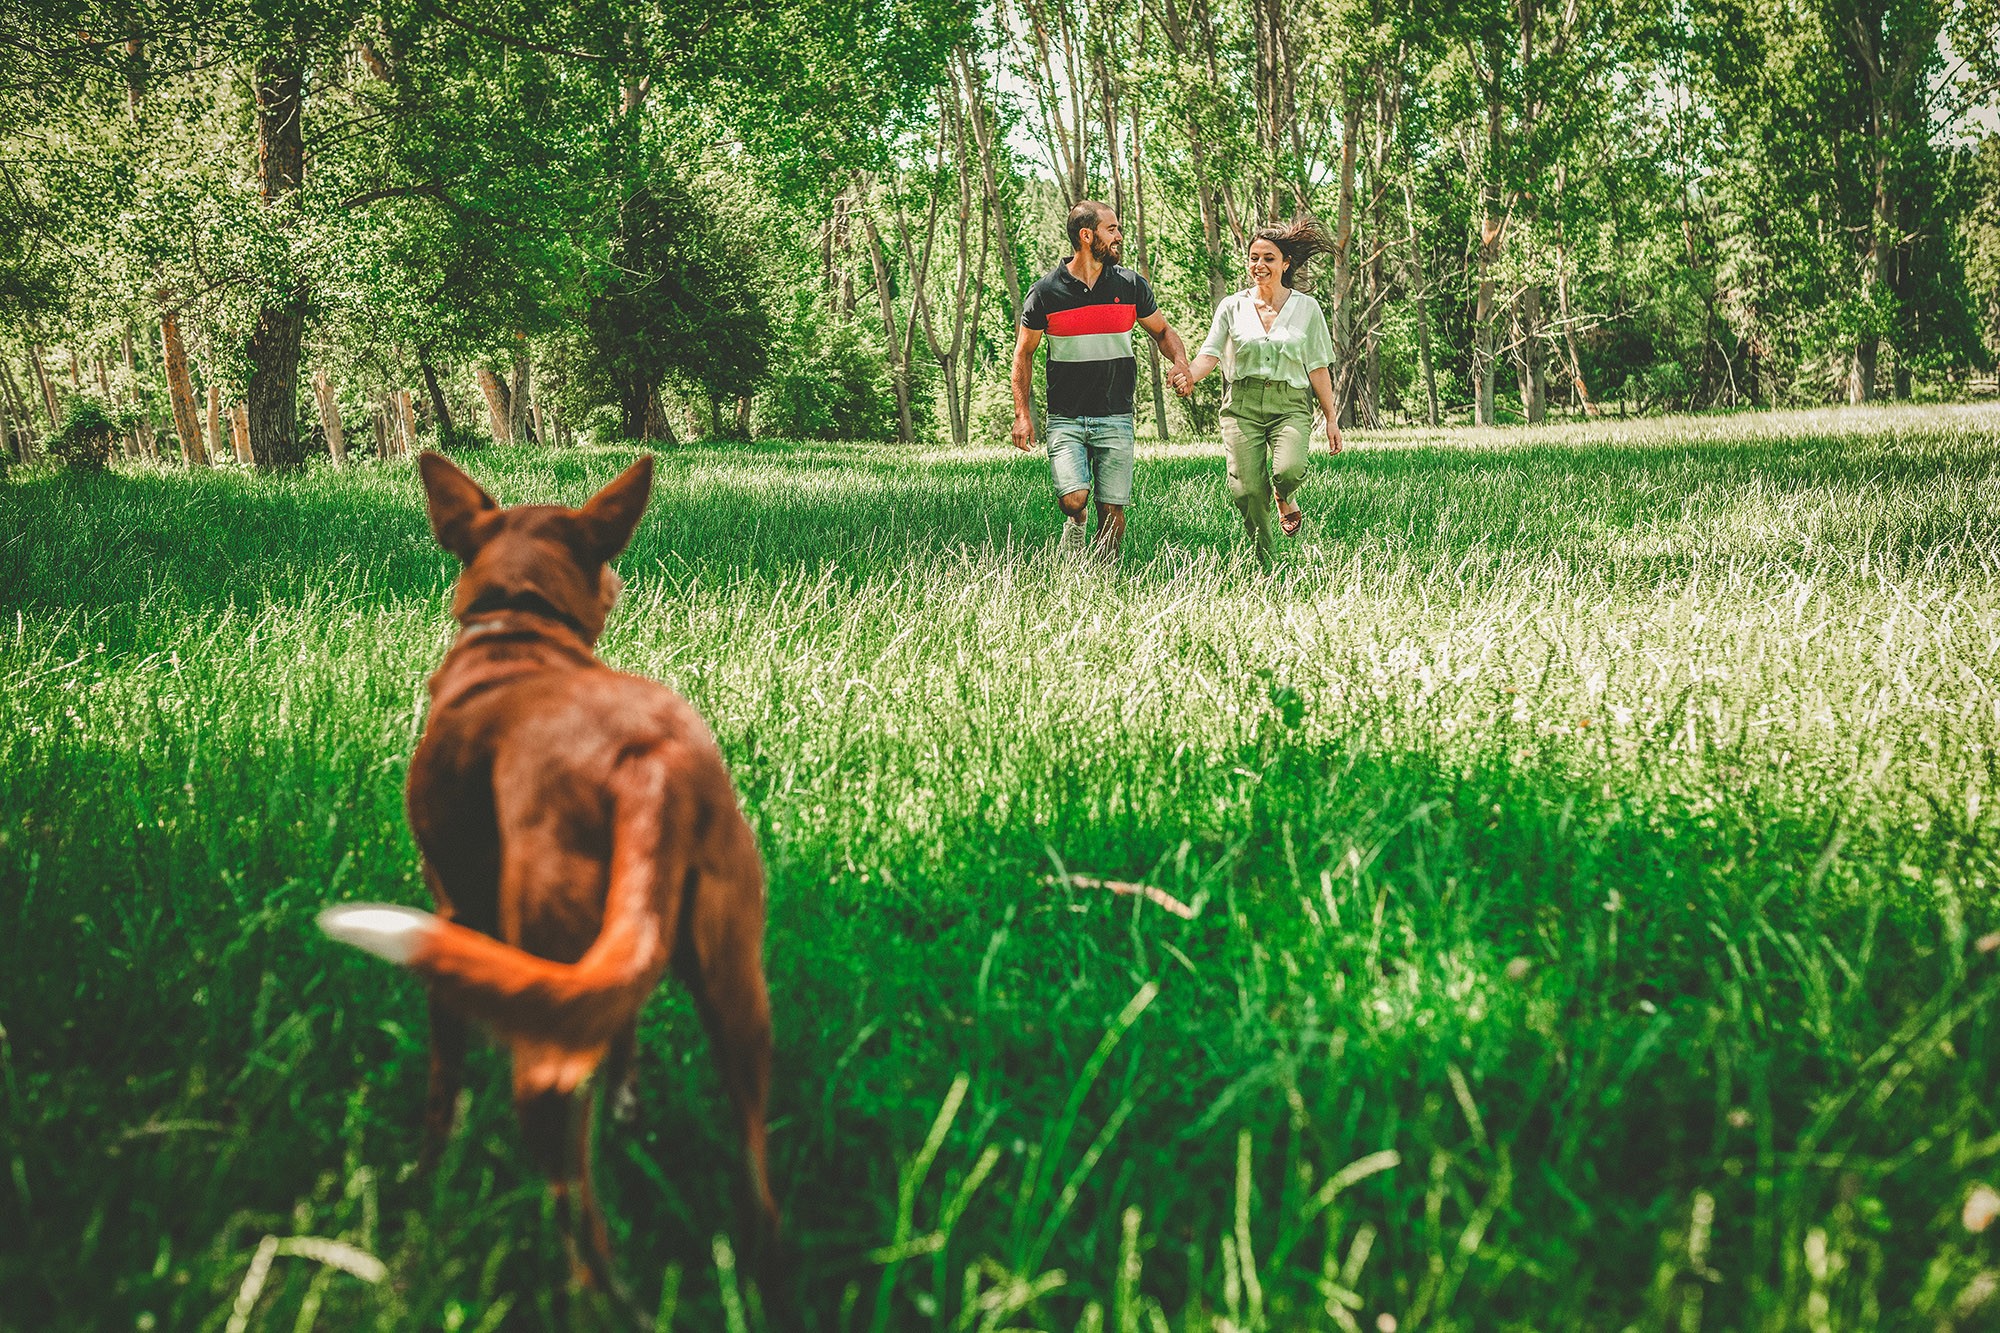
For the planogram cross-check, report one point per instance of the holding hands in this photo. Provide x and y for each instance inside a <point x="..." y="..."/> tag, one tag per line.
<point x="1185" y="376"/>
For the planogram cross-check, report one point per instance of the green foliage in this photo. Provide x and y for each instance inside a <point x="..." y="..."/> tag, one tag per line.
<point x="638" y="191"/>
<point x="1981" y="240"/>
<point x="87" y="436"/>
<point x="461" y="438"/>
<point x="686" y="301"/>
<point x="829" y="381"/>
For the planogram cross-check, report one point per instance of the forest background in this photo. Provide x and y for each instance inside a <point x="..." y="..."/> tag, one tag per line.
<point x="267" y="229"/>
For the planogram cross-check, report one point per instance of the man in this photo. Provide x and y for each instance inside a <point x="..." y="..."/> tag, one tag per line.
<point x="1086" y="307"/>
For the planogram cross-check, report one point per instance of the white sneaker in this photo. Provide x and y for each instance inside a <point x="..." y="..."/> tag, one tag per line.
<point x="1070" y="545"/>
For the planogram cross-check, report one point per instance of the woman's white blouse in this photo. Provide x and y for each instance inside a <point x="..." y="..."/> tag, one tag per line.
<point x="1297" y="344"/>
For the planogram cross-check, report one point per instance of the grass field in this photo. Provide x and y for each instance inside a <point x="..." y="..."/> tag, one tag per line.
<point x="1591" y="835"/>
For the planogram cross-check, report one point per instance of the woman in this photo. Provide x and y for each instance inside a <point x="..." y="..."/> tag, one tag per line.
<point x="1274" y="350"/>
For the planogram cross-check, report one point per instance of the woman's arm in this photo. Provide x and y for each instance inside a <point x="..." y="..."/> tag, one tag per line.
<point x="1319" y="354"/>
<point x="1322" y="383"/>
<point x="1212" y="347"/>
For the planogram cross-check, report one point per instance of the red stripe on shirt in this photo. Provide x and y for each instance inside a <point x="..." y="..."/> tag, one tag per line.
<point x="1116" y="318"/>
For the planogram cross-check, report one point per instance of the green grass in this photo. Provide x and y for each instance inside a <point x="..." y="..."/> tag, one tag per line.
<point x="1601" y="821"/>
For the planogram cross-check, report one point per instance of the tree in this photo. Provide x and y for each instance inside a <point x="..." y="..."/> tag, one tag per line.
<point x="685" y="302"/>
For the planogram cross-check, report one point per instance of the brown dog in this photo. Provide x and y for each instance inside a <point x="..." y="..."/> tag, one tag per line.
<point x="579" y="834"/>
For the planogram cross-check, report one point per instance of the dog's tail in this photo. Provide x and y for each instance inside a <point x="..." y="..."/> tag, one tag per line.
<point x="559" y="1018"/>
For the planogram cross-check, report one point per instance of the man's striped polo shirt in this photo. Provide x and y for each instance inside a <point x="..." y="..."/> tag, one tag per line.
<point x="1088" y="330"/>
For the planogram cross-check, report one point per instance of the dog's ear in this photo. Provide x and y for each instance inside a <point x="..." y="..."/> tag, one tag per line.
<point x="456" y="505"/>
<point x="612" y="513"/>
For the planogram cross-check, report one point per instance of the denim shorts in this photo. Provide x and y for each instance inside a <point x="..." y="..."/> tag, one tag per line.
<point x="1092" y="454"/>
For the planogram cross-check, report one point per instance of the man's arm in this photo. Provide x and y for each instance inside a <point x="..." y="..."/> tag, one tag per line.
<point x="1171" y="346"/>
<point x="1023" y="380"/>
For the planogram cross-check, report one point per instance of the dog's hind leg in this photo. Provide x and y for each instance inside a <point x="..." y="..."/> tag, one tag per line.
<point x="621" y="1073"/>
<point x="557" y="1127"/>
<point x="722" y="965"/>
<point x="449" y="1036"/>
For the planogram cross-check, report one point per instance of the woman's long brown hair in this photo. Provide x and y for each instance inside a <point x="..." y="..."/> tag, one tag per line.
<point x="1298" y="241"/>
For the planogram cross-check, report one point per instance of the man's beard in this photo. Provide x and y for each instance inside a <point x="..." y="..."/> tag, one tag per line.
<point x="1106" y="252"/>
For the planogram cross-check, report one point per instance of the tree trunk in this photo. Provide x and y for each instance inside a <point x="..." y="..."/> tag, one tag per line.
<point x="329" y="418"/>
<point x="42" y="378"/>
<point x="906" y="431"/>
<point x="840" y="256"/>
<point x="1065" y="132"/>
<point x="135" y="78"/>
<point x="1563" y="315"/>
<point x="1211" y="220"/>
<point x="142" y="429"/>
<point x="972" y="325"/>
<point x="1179" y="41"/>
<point x="1146" y="270"/>
<point x="1529" y="362"/>
<point x="20" y="431"/>
<point x="273" y="392"/>
<point x="380" y="416"/>
<point x="1886" y="78"/>
<point x="1107" y="108"/>
<point x="945" y="354"/>
<point x="499" y="412"/>
<point x="1275" y="122"/>
<point x="982" y="134"/>
<point x="654" y="423"/>
<point x="239" y="434"/>
<point x="635" y="408"/>
<point x="406" y="418"/>
<point x="214" y="450"/>
<point x="1875" y="275"/>
<point x="180" y="390"/>
<point x="517" y="395"/>
<point x="439" y="408"/>
<point x="919" y="269"/>
<point x="1492" y="229"/>
<point x="104" y="391"/>
<point x="1420" y="300"/>
<point x="24" y="426"/>
<point x="1343" y="265"/>
<point x="1388" y="110"/>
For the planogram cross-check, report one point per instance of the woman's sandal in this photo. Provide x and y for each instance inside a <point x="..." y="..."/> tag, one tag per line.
<point x="1292" y="521"/>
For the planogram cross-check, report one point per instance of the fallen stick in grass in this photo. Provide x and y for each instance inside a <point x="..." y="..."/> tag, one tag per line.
<point x="1157" y="896"/>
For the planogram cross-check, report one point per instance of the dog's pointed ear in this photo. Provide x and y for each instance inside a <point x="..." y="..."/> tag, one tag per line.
<point x="456" y="505"/>
<point x="611" y="514"/>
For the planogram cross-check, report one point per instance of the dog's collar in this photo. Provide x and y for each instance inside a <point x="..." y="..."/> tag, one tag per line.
<point x="495" y="609"/>
<point x="481" y="627"/>
<point x="517" y="621"/>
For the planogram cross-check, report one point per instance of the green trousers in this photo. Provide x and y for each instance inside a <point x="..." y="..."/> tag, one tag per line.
<point x="1265" y="426"/>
